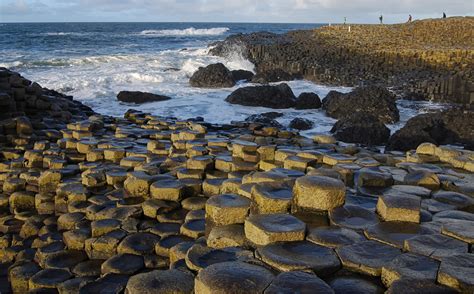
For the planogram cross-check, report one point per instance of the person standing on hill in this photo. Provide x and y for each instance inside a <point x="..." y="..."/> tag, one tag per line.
<point x="444" y="14"/>
<point x="409" y="18"/>
<point x="381" y="19"/>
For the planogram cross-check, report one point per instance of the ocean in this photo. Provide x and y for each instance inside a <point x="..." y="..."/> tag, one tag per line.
<point x="95" y="61"/>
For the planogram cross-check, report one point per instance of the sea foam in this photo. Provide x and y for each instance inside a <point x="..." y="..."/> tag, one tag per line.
<point x="186" y="32"/>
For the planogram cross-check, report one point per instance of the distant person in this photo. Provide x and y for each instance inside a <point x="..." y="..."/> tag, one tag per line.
<point x="381" y="19"/>
<point x="409" y="18"/>
<point x="345" y="20"/>
<point x="444" y="15"/>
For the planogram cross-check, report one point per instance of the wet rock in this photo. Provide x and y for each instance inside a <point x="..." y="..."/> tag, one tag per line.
<point x="435" y="246"/>
<point x="373" y="100"/>
<point x="395" y="233"/>
<point x="300" y="255"/>
<point x="353" y="217"/>
<point x="212" y="76"/>
<point x="361" y="128"/>
<point x="308" y="101"/>
<point x="457" y="272"/>
<point x="334" y="236"/>
<point x="48" y="278"/>
<point x="415" y="286"/>
<point x="169" y="281"/>
<point x="298" y="282"/>
<point x="242" y="75"/>
<point x="356" y="284"/>
<point x="280" y="96"/>
<point x="233" y="277"/>
<point x="266" y="118"/>
<point x="138" y="243"/>
<point x="138" y="97"/>
<point x="111" y="283"/>
<point x="462" y="230"/>
<point x="200" y="256"/>
<point x="301" y="124"/>
<point x="367" y="257"/>
<point x="410" y="265"/>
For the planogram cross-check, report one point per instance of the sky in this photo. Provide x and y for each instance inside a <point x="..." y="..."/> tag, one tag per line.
<point x="286" y="11"/>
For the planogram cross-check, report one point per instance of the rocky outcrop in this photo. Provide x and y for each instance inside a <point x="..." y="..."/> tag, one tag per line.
<point x="361" y="128"/>
<point x="242" y="75"/>
<point x="278" y="97"/>
<point x="212" y="76"/>
<point x="30" y="112"/>
<point x="138" y="97"/>
<point x="432" y="59"/>
<point x="272" y="76"/>
<point x="373" y="100"/>
<point x="454" y="126"/>
<point x="301" y="124"/>
<point x="308" y="101"/>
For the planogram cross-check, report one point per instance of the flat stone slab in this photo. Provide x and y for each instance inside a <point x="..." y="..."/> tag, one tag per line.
<point x="227" y="209"/>
<point x="401" y="207"/>
<point x="355" y="283"/>
<point x="298" y="282"/>
<point x="435" y="246"/>
<point x="200" y="256"/>
<point x="138" y="243"/>
<point x="233" y="277"/>
<point x="367" y="257"/>
<point x="161" y="281"/>
<point x="462" y="230"/>
<point x="353" y="217"/>
<point x="126" y="264"/>
<point x="409" y="265"/>
<point x="414" y="286"/>
<point x="395" y="233"/>
<point x="301" y="255"/>
<point x="264" y="229"/>
<point x="458" y="272"/>
<point x="333" y="236"/>
<point x="272" y="197"/>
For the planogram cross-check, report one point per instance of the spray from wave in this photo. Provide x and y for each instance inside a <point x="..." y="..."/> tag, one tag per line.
<point x="185" y="32"/>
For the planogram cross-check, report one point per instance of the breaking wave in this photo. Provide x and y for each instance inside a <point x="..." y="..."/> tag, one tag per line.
<point x="186" y="32"/>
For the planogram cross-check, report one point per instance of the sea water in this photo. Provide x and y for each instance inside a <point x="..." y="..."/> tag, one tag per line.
<point x="95" y="61"/>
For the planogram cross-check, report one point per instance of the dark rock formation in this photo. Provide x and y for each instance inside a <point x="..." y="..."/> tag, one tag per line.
<point x="373" y="100"/>
<point x="140" y="97"/>
<point x="212" y="76"/>
<point x="431" y="58"/>
<point x="279" y="96"/>
<point x="301" y="124"/>
<point x="266" y="118"/>
<point x="361" y="128"/>
<point x="449" y="127"/>
<point x="242" y="75"/>
<point x="29" y="112"/>
<point x="272" y="76"/>
<point x="308" y="101"/>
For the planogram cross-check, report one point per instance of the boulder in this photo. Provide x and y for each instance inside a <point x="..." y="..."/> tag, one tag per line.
<point x="448" y="127"/>
<point x="279" y="96"/>
<point x="140" y="97"/>
<point x="272" y="76"/>
<point x="212" y="76"/>
<point x="308" y="101"/>
<point x="301" y="124"/>
<point x="266" y="118"/>
<point x="242" y="75"/>
<point x="361" y="128"/>
<point x="373" y="100"/>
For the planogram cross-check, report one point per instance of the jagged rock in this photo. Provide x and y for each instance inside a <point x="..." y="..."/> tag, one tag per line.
<point x="301" y="124"/>
<point x="373" y="100"/>
<point x="361" y="128"/>
<point x="279" y="96"/>
<point x="266" y="118"/>
<point x="212" y="76"/>
<point x="272" y="76"/>
<point x="140" y="97"/>
<point x="308" y="101"/>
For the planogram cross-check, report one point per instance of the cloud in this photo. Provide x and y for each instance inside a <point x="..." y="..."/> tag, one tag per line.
<point x="237" y="11"/>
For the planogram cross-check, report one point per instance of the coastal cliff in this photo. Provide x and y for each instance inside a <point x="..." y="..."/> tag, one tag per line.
<point x="428" y="59"/>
